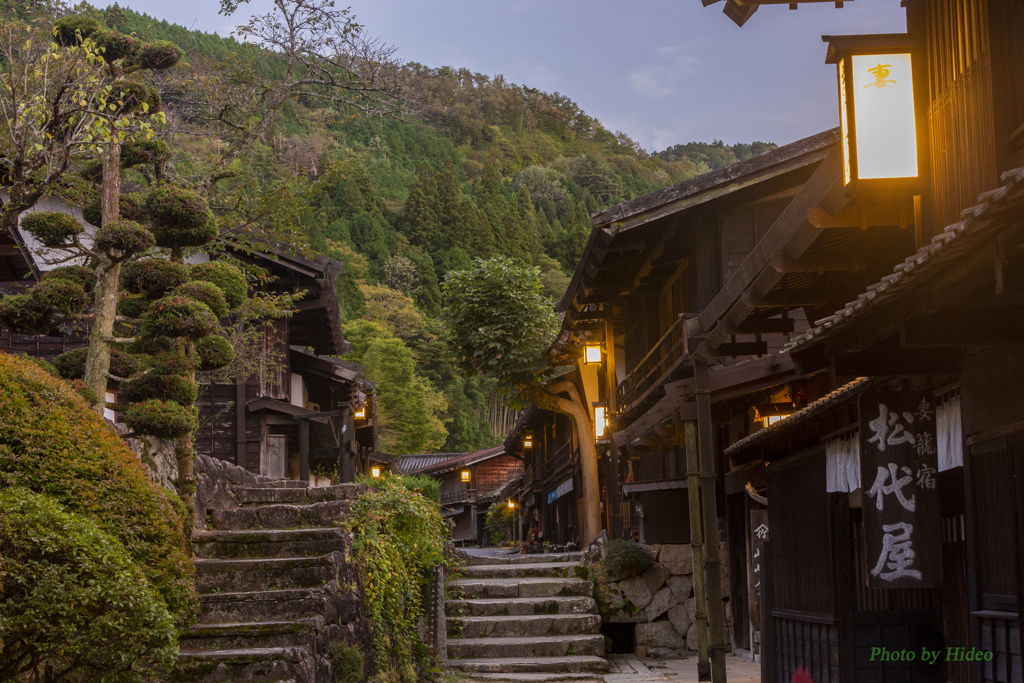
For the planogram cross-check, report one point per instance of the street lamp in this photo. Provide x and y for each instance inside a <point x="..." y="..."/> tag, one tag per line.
<point x="511" y="505"/>
<point x="375" y="472"/>
<point x="881" y="136"/>
<point x="592" y="353"/>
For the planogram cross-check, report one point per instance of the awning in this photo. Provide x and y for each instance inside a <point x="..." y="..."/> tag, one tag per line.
<point x="562" y="489"/>
<point x="634" y="487"/>
<point x="451" y="512"/>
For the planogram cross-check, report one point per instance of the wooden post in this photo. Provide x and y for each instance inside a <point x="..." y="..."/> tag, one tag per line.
<point x="346" y="437"/>
<point x="304" y="449"/>
<point x="710" y="509"/>
<point x="614" y="494"/>
<point x="697" y="545"/>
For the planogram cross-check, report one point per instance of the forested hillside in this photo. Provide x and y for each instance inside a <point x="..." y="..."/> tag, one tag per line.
<point x="477" y="167"/>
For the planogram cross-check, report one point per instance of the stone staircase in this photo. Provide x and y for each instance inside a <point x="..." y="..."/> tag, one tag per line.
<point x="277" y="587"/>
<point x="524" y="617"/>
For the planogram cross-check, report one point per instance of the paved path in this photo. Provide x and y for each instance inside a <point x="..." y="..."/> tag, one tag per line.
<point x="631" y="669"/>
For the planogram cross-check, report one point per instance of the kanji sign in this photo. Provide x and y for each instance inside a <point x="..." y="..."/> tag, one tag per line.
<point x="898" y="464"/>
<point x="758" y="538"/>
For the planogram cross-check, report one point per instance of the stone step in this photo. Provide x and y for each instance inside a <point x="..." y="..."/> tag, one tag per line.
<point x="268" y="542"/>
<point x="518" y="558"/>
<point x="247" y="635"/>
<point x="283" y="516"/>
<point x="488" y="607"/>
<point x="568" y="664"/>
<point x="262" y="574"/>
<point x="285" y="484"/>
<point x="253" y="665"/>
<point x="519" y="588"/>
<point x="533" y="625"/>
<point x="542" y="646"/>
<point x="540" y="677"/>
<point x="273" y="605"/>
<point x="497" y="571"/>
<point x="298" y="496"/>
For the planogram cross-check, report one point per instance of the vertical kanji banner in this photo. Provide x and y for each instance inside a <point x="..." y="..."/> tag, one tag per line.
<point x="758" y="537"/>
<point x="899" y="476"/>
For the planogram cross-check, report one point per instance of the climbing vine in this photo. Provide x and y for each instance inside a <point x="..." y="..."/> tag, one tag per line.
<point x="400" y="538"/>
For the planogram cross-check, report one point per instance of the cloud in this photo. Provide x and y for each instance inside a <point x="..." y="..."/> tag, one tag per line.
<point x="675" y="67"/>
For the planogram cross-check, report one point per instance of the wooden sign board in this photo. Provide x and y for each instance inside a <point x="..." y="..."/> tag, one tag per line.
<point x="758" y="538"/>
<point x="899" y="477"/>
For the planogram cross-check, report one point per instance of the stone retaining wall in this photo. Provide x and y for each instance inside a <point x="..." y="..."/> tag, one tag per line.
<point x="659" y="601"/>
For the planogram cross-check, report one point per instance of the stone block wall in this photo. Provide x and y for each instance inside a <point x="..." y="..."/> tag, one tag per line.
<point x="660" y="601"/>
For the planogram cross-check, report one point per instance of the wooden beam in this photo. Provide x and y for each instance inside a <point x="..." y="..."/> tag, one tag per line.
<point x="860" y="216"/>
<point x="895" y="361"/>
<point x="754" y="348"/>
<point x="819" y="263"/>
<point x="785" y="298"/>
<point x="964" y="326"/>
<point x="765" y="326"/>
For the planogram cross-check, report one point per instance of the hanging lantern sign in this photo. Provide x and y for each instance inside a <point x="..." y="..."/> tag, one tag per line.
<point x="882" y="140"/>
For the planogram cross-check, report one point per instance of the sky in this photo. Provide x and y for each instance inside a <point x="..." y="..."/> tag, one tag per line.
<point x="662" y="71"/>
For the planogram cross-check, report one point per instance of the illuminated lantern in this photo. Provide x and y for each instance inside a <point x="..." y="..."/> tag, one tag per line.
<point x="878" y="110"/>
<point x="528" y="441"/>
<point x="374" y="471"/>
<point x="600" y="419"/>
<point x="360" y="413"/>
<point x="592" y="354"/>
<point x="465" y="475"/>
<point x="511" y="504"/>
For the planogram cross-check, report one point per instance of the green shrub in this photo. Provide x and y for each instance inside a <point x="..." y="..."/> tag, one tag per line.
<point x="626" y="558"/>
<point x="73" y="599"/>
<point x="153" y="277"/>
<point x="56" y="294"/>
<point x="180" y="217"/>
<point x="71" y="364"/>
<point x="132" y="95"/>
<point x="81" y="275"/>
<point x="19" y="313"/>
<point x="177" y="316"/>
<point x="158" y="55"/>
<point x="115" y="44"/>
<point x="131" y="208"/>
<point x="215" y="352"/>
<point x="124" y="238"/>
<point x="51" y="228"/>
<point x="52" y="443"/>
<point x="227" y="277"/>
<point x="144" y="152"/>
<point x="204" y="292"/>
<point x="347" y="662"/>
<point x="400" y="538"/>
<point x="162" y="419"/>
<point x="500" y="520"/>
<point x="177" y="388"/>
<point x="68" y="30"/>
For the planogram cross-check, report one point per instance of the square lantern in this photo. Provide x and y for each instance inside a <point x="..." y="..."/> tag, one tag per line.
<point x="600" y="419"/>
<point x="528" y="441"/>
<point x="879" y="110"/>
<point x="464" y="475"/>
<point x="375" y="471"/>
<point x="360" y="413"/>
<point x="592" y="353"/>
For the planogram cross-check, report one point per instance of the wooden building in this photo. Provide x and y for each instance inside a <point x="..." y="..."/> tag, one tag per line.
<point x="266" y="422"/>
<point x="548" y="496"/>
<point x="466" y="481"/>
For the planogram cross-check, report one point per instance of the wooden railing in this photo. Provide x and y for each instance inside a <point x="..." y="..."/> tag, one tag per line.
<point x="454" y="493"/>
<point x="651" y="371"/>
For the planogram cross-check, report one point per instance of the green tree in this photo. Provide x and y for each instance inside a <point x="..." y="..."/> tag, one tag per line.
<point x="499" y="324"/>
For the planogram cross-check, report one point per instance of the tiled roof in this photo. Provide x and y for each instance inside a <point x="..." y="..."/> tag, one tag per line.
<point x="435" y="463"/>
<point x="823" y="403"/>
<point x="978" y="223"/>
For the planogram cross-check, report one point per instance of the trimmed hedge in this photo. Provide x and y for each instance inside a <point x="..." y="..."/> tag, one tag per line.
<point x="71" y="364"/>
<point x="627" y="558"/>
<point x="181" y="217"/>
<point x="70" y="28"/>
<point x="229" y="278"/>
<point x="81" y="275"/>
<point x="52" y="443"/>
<point x="178" y="316"/>
<point x="73" y="598"/>
<point x="131" y="209"/>
<point x="162" y="419"/>
<point x="52" y="228"/>
<point x="206" y="293"/>
<point x="215" y="352"/>
<point x="124" y="238"/>
<point x="153" y="277"/>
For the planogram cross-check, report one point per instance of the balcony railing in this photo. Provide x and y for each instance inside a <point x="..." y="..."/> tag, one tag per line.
<point x="663" y="358"/>
<point x="454" y="493"/>
<point x="559" y="460"/>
